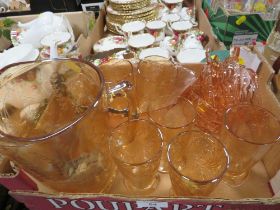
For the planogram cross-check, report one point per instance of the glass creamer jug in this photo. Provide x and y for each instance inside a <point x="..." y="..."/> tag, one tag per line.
<point x="156" y="77"/>
<point x="54" y="124"/>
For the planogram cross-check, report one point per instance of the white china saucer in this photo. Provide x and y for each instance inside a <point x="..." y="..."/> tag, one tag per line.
<point x="155" y="51"/>
<point x="190" y="56"/>
<point x="16" y="54"/>
<point x="141" y="40"/>
<point x="133" y="26"/>
<point x="181" y="25"/>
<point x="170" y="17"/>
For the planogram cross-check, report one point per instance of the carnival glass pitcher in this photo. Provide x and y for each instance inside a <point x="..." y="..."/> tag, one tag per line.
<point x="54" y="124"/>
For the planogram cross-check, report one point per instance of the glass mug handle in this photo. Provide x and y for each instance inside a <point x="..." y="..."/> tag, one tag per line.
<point x="117" y="92"/>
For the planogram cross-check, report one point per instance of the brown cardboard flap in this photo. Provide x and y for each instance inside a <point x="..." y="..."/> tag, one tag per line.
<point x="85" y="43"/>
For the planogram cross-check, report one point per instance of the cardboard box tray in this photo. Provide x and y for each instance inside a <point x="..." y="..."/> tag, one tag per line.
<point x="255" y="193"/>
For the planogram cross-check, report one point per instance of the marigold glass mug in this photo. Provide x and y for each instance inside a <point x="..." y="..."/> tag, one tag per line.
<point x="54" y="124"/>
<point x="123" y="103"/>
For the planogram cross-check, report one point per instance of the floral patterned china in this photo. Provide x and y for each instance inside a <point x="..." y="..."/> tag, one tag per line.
<point x="156" y="28"/>
<point x="118" y="55"/>
<point x="63" y="51"/>
<point x="193" y="42"/>
<point x="132" y="28"/>
<point x="109" y="43"/>
<point x="174" y="6"/>
<point x="172" y="44"/>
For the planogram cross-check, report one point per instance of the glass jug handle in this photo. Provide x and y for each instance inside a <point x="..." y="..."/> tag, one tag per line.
<point x="119" y="90"/>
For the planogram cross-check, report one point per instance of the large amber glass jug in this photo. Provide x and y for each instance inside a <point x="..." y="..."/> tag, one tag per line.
<point x="54" y="124"/>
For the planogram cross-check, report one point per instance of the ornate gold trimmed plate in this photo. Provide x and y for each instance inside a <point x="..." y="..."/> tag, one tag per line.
<point x="125" y="1"/>
<point x="110" y="10"/>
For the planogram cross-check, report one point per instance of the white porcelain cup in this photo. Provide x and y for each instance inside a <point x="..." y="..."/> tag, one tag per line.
<point x="131" y="28"/>
<point x="180" y="30"/>
<point x="157" y="29"/>
<point x="169" y="19"/>
<point x="171" y="44"/>
<point x="185" y="13"/>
